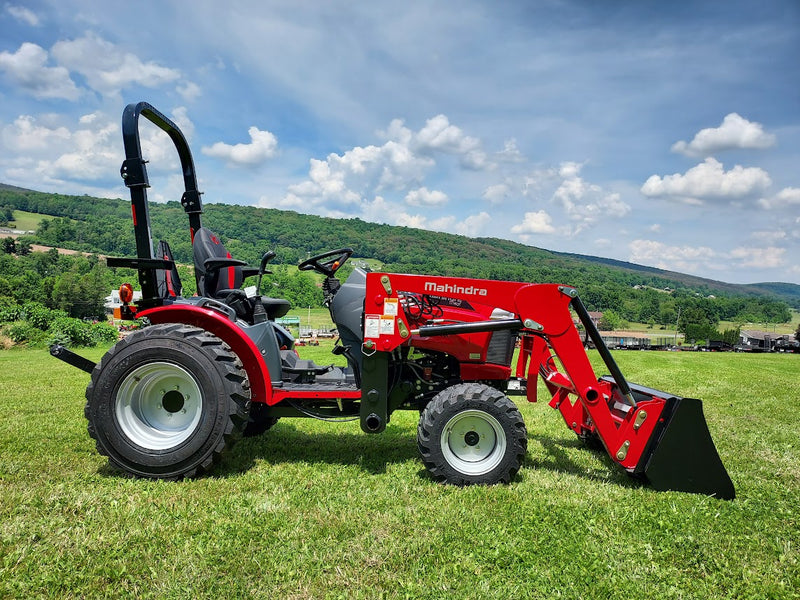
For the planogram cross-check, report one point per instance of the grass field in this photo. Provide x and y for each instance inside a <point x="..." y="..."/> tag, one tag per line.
<point x="320" y="510"/>
<point x="28" y="221"/>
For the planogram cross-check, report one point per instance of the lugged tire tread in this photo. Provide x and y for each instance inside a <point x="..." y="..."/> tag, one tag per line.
<point x="222" y="356"/>
<point x="449" y="399"/>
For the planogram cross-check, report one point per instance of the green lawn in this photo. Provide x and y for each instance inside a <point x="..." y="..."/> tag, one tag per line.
<point x="28" y="221"/>
<point x="320" y="510"/>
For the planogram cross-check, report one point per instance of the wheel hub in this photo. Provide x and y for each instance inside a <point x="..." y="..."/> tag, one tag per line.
<point x="158" y="405"/>
<point x="473" y="442"/>
<point x="471" y="438"/>
<point x="172" y="401"/>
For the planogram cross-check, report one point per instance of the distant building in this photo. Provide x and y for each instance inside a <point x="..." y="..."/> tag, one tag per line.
<point x="595" y="317"/>
<point x="762" y="341"/>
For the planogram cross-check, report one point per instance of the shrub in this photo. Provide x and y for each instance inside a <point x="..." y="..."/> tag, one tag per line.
<point x="22" y="332"/>
<point x="68" y="331"/>
<point x="104" y="332"/>
<point x="38" y="315"/>
<point x="71" y="332"/>
<point x="9" y="311"/>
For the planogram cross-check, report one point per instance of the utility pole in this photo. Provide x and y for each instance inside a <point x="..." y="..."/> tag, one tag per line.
<point x="677" y="321"/>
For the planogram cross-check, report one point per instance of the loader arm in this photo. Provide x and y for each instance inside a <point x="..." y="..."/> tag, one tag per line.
<point x="651" y="434"/>
<point x="598" y="406"/>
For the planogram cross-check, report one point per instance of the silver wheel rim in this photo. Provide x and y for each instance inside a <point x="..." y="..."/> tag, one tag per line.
<point x="159" y="405"/>
<point x="473" y="442"/>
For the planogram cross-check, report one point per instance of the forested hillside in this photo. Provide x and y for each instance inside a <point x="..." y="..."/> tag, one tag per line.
<point x="632" y="292"/>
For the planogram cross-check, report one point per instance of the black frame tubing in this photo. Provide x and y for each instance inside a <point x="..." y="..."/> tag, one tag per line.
<point x="134" y="173"/>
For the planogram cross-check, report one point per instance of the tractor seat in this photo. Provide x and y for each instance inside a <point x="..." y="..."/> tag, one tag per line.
<point x="220" y="276"/>
<point x="217" y="271"/>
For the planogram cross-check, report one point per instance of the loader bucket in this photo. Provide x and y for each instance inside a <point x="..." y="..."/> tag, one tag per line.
<point x="682" y="456"/>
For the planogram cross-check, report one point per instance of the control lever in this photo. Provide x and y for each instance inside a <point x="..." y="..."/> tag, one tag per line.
<point x="262" y="269"/>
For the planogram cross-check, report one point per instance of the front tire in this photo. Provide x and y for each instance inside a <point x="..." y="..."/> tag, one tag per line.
<point x="166" y="401"/>
<point x="471" y="433"/>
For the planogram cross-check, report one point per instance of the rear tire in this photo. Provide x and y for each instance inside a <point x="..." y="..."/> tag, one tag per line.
<point x="471" y="433"/>
<point x="166" y="401"/>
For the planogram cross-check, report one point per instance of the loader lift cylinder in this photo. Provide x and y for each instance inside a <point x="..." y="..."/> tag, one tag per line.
<point x="472" y="327"/>
<point x="605" y="353"/>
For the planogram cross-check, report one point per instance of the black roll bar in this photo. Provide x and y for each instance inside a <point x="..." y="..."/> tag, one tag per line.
<point x="134" y="173"/>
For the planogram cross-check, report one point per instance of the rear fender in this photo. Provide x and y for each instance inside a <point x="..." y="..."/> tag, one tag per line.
<point x="220" y="325"/>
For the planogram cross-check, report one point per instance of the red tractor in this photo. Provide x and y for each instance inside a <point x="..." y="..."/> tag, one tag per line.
<point x="167" y="400"/>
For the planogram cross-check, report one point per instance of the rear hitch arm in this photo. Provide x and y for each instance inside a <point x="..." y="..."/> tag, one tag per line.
<point x="69" y="357"/>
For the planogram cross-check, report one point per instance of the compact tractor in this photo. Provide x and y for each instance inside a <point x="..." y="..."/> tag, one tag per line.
<point x="167" y="400"/>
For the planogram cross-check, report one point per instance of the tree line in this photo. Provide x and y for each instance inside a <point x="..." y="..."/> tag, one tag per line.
<point x="635" y="294"/>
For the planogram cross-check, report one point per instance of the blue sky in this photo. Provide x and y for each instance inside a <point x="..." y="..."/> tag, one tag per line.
<point x="661" y="133"/>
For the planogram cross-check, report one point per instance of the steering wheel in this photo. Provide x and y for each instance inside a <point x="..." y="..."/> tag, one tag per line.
<point x="336" y="258"/>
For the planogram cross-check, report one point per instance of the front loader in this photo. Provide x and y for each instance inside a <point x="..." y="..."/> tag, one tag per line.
<point x="167" y="400"/>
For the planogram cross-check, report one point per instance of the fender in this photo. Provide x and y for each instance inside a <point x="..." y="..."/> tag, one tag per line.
<point x="226" y="330"/>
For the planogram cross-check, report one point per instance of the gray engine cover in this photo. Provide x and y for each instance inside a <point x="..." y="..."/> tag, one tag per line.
<point x="347" y="311"/>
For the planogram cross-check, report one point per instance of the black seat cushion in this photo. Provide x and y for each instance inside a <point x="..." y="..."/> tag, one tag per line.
<point x="210" y="281"/>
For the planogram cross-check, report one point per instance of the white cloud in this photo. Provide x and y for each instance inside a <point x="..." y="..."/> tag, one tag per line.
<point x="709" y="181"/>
<point x="689" y="259"/>
<point x="105" y="68"/>
<point x="26" y="135"/>
<point x="693" y="259"/>
<point x="769" y="235"/>
<point x="157" y="148"/>
<point x="425" y="197"/>
<point x="759" y="258"/>
<point x="263" y="146"/>
<point x="400" y="164"/>
<point x="473" y="225"/>
<point x="180" y="116"/>
<point x="569" y="170"/>
<point x="53" y="153"/>
<point x="735" y="132"/>
<point x="382" y="211"/>
<point x="534" y="222"/>
<point x="23" y="14"/>
<point x="406" y="220"/>
<point x="108" y="69"/>
<point x="27" y="67"/>
<point x="189" y="91"/>
<point x="510" y="153"/>
<point x="585" y="203"/>
<point x="786" y="197"/>
<point x="604" y="243"/>
<point x="439" y="135"/>
<point x="496" y="194"/>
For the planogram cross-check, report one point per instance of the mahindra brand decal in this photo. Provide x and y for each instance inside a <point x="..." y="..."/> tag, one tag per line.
<point x="470" y="290"/>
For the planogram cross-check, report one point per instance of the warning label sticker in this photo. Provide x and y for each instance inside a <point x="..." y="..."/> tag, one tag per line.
<point x="390" y="307"/>
<point x="387" y="325"/>
<point x="372" y="326"/>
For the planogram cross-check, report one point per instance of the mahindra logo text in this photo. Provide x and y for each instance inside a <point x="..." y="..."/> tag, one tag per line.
<point x="469" y="290"/>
